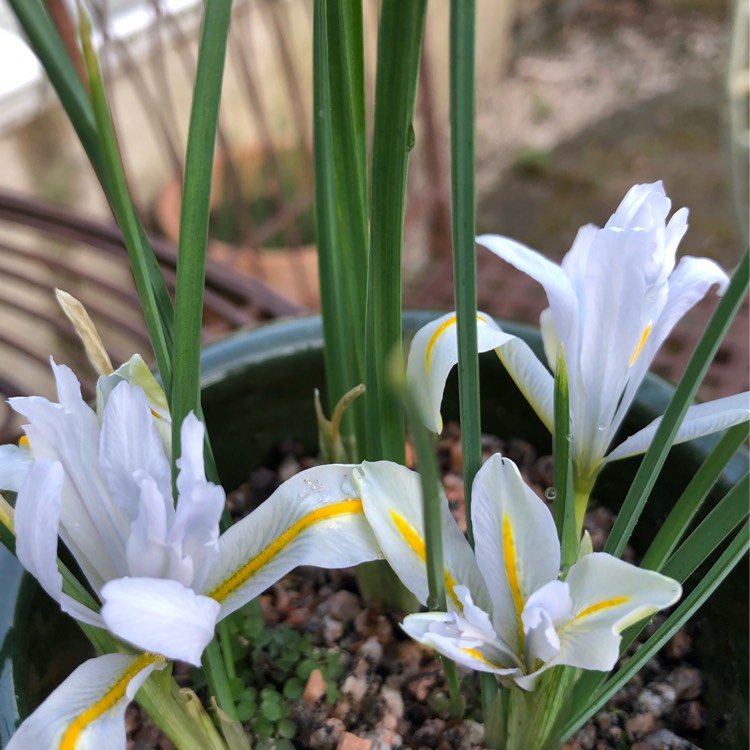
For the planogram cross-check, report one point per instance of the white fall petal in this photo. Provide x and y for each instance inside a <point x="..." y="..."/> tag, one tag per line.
<point x="433" y="354"/>
<point x="100" y="688"/>
<point x="533" y="620"/>
<point x="701" y="419"/>
<point x="162" y="572"/>
<point x="612" y="301"/>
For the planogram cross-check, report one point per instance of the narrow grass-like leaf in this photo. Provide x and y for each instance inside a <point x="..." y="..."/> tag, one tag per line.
<point x="679" y="519"/>
<point x="194" y="215"/>
<point x="564" y="506"/>
<point x="463" y="201"/>
<point x="700" y="545"/>
<point x="399" y="50"/>
<point x="376" y="580"/>
<point x="218" y="682"/>
<point x="341" y="191"/>
<point x="148" y="279"/>
<point x="684" y="393"/>
<point x="732" y="555"/>
<point x="710" y="532"/>
<point x="346" y="79"/>
<point x="330" y="254"/>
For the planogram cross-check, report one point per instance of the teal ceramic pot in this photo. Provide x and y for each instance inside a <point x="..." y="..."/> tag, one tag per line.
<point x="258" y="389"/>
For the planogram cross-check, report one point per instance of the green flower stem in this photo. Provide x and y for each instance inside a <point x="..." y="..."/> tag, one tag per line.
<point x="433" y="531"/>
<point x="174" y="712"/>
<point x="227" y="651"/>
<point x="463" y="200"/>
<point x="521" y="720"/>
<point x="565" y="503"/>
<point x="463" y="203"/>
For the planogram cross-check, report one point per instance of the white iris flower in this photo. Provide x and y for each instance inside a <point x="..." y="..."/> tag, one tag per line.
<point x="612" y="302"/>
<point x="508" y="611"/>
<point x="162" y="572"/>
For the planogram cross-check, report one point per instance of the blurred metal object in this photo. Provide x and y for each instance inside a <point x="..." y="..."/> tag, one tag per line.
<point x="44" y="246"/>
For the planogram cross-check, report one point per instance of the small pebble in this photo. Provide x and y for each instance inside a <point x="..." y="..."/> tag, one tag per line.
<point x="315" y="688"/>
<point x="658" y="699"/>
<point x="372" y="651"/>
<point x="328" y="736"/>
<point x="331" y="630"/>
<point x="430" y="733"/>
<point x="387" y="740"/>
<point x="343" y="605"/>
<point x="355" y="686"/>
<point x="409" y="657"/>
<point x="298" y="616"/>
<point x="288" y="468"/>
<point x="678" y="645"/>
<point x="454" y="493"/>
<point x="691" y="717"/>
<point x="342" y="709"/>
<point x="587" y="737"/>
<point x="664" y="740"/>
<point x="393" y="701"/>
<point x="420" y="688"/>
<point x="474" y="734"/>
<point x="641" y="725"/>
<point x="542" y="473"/>
<point x="350" y="741"/>
<point x="409" y="458"/>
<point x="456" y="459"/>
<point x="687" y="683"/>
<point x="371" y="623"/>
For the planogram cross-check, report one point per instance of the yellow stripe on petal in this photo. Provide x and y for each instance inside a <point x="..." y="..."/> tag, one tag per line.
<point x="511" y="571"/>
<point x="475" y="654"/>
<point x="115" y="694"/>
<point x="439" y="331"/>
<point x="639" y="347"/>
<point x="23" y="442"/>
<point x="606" y="604"/>
<point x="247" y="571"/>
<point x="409" y="533"/>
